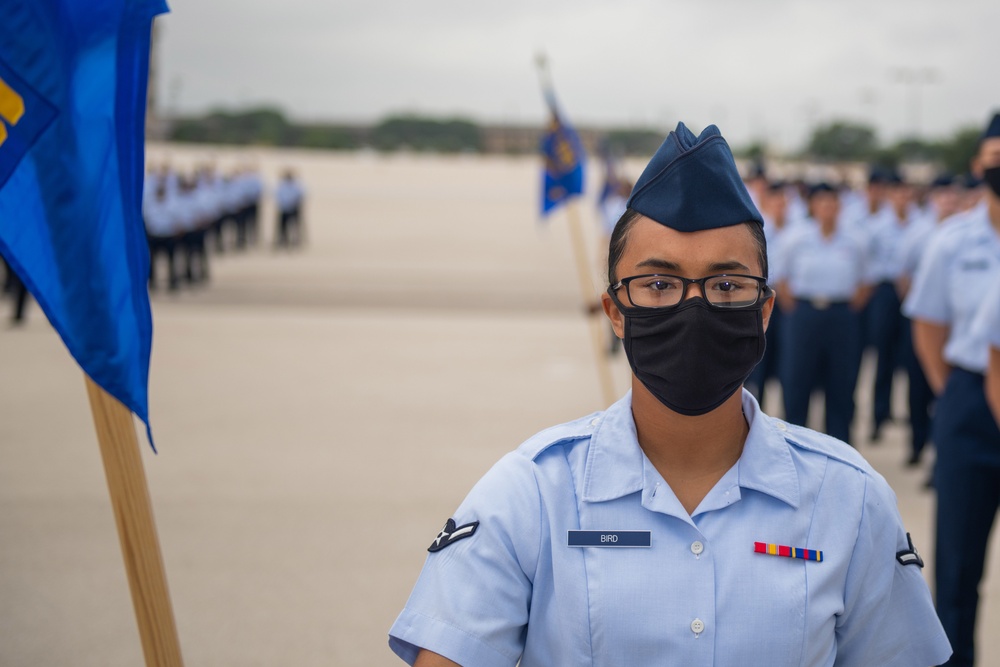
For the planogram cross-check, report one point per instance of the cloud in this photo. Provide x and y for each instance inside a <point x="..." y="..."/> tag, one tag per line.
<point x="767" y="67"/>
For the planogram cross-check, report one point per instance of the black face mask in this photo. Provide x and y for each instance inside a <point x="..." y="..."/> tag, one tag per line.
<point x="692" y="358"/>
<point x="992" y="178"/>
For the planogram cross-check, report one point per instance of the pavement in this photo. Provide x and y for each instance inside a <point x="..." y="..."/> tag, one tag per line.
<point x="319" y="414"/>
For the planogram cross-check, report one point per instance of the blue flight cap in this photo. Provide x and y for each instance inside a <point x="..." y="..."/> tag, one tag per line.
<point x="758" y="171"/>
<point x="970" y="182"/>
<point x="819" y="188"/>
<point x="993" y="129"/>
<point x="943" y="180"/>
<point x="894" y="178"/>
<point x="876" y="175"/>
<point x="692" y="184"/>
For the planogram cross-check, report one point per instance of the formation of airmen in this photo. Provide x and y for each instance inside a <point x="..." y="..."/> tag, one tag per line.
<point x="912" y="273"/>
<point x="842" y="260"/>
<point x="188" y="214"/>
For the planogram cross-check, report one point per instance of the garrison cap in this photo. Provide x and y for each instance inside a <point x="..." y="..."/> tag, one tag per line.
<point x="758" y="170"/>
<point x="877" y="175"/>
<point x="820" y="188"/>
<point x="943" y="180"/>
<point x="971" y="182"/>
<point x="692" y="184"/>
<point x="894" y="178"/>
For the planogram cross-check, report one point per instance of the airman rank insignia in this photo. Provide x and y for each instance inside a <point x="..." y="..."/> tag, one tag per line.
<point x="451" y="534"/>
<point x="909" y="556"/>
<point x="788" y="552"/>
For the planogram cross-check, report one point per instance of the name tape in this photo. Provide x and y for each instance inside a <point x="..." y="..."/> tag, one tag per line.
<point x="609" y="538"/>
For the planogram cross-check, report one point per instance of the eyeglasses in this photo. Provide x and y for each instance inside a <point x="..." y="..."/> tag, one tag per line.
<point x="726" y="291"/>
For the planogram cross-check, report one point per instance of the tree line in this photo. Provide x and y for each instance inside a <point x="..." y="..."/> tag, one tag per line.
<point x="836" y="141"/>
<point x="269" y="127"/>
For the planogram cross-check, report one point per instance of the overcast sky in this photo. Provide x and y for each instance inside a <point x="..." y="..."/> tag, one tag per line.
<point x="763" y="69"/>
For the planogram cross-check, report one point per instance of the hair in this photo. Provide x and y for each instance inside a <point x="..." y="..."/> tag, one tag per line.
<point x="616" y="246"/>
<point x="619" y="237"/>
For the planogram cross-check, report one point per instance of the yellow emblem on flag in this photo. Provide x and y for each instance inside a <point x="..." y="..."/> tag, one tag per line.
<point x="11" y="108"/>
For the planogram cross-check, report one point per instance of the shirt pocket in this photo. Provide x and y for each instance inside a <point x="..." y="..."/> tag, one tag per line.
<point x="967" y="284"/>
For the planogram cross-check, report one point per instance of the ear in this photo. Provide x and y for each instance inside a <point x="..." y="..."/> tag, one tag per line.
<point x="976" y="167"/>
<point x="769" y="307"/>
<point x="615" y="315"/>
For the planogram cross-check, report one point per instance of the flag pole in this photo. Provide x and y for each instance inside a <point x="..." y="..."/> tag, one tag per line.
<point x="583" y="271"/>
<point x="136" y="529"/>
<point x="594" y="316"/>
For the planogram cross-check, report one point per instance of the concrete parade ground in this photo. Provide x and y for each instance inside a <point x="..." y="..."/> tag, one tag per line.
<point x="319" y="413"/>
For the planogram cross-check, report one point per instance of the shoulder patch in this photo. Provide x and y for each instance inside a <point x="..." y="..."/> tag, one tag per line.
<point x="909" y="556"/>
<point x="451" y="534"/>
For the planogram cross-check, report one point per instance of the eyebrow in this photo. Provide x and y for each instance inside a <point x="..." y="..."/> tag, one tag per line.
<point x="662" y="264"/>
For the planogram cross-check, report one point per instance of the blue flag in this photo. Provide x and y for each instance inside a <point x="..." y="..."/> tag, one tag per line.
<point x="73" y="79"/>
<point x="563" y="152"/>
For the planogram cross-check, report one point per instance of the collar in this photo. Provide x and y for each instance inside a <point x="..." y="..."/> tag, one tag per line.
<point x="615" y="461"/>
<point x="766" y="463"/>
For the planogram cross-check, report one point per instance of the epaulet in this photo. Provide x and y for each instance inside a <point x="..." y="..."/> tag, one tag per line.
<point x="955" y="226"/>
<point x="821" y="443"/>
<point x="575" y="430"/>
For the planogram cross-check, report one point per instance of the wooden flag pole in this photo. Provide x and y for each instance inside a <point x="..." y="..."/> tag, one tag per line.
<point x="136" y="530"/>
<point x="595" y="318"/>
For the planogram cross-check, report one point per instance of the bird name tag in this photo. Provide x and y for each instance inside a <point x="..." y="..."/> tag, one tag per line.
<point x="609" y="538"/>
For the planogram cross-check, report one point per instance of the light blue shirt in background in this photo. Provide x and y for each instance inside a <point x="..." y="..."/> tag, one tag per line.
<point x="817" y="267"/>
<point x="913" y="243"/>
<point x="288" y="195"/>
<point x="961" y="261"/>
<point x="773" y="236"/>
<point x="886" y="237"/>
<point x="699" y="595"/>
<point x="987" y="321"/>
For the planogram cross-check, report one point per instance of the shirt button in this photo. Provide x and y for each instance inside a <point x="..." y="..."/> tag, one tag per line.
<point x="697" y="626"/>
<point x="697" y="548"/>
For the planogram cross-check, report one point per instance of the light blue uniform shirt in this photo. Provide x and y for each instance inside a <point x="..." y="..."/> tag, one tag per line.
<point x="288" y="195"/>
<point x="961" y="260"/>
<point x="159" y="216"/>
<point x="917" y="237"/>
<point x="886" y="237"/>
<point x="913" y="243"/>
<point x="817" y="267"/>
<point x="773" y="236"/>
<point x="797" y="210"/>
<point x="185" y="211"/>
<point x="699" y="594"/>
<point x="987" y="320"/>
<point x="855" y="215"/>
